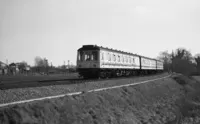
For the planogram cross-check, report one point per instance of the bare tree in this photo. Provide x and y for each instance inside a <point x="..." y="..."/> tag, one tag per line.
<point x="182" y="53"/>
<point x="166" y="58"/>
<point x="182" y="61"/>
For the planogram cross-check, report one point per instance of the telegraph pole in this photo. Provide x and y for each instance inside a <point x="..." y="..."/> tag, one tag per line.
<point x="68" y="65"/>
<point x="65" y="70"/>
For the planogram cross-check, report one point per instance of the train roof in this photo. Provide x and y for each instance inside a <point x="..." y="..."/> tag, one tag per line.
<point x="95" y="47"/>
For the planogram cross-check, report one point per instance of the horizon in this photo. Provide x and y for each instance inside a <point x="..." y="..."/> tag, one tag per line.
<point x="57" y="29"/>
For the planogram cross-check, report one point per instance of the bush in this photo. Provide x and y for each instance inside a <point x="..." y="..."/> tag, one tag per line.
<point x="183" y="66"/>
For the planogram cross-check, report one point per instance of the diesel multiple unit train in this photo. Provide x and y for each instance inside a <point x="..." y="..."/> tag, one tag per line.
<point x="98" y="61"/>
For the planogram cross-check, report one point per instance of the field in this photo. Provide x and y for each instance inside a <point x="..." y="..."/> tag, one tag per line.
<point x="173" y="100"/>
<point x="17" y="78"/>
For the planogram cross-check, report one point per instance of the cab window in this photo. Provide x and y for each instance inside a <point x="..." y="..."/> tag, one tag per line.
<point x="88" y="56"/>
<point x="80" y="56"/>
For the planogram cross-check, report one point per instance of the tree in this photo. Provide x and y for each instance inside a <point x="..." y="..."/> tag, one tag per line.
<point x="182" y="53"/>
<point x="39" y="61"/>
<point x="166" y="58"/>
<point x="22" y="66"/>
<point x="182" y="61"/>
<point x="41" y="64"/>
<point x="197" y="59"/>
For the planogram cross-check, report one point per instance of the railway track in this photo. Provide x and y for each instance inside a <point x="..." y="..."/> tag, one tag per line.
<point x="48" y="82"/>
<point x="83" y="91"/>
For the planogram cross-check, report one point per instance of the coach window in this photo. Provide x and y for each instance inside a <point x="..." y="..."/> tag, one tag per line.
<point x="102" y="56"/>
<point x="126" y="59"/>
<point x="109" y="57"/>
<point x="118" y="58"/>
<point x="123" y="59"/>
<point x="133" y="60"/>
<point x="143" y="61"/>
<point x="114" y="58"/>
<point x="147" y="62"/>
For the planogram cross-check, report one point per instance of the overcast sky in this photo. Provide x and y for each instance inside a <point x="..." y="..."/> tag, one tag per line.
<point x="55" y="29"/>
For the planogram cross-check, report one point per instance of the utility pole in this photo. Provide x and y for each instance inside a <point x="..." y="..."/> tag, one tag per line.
<point x="64" y="67"/>
<point x="46" y="65"/>
<point x="68" y="65"/>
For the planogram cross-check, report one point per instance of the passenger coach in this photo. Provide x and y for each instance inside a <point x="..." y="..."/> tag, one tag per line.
<point x="96" y="61"/>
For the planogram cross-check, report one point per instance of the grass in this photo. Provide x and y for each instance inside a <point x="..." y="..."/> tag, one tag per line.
<point x="161" y="102"/>
<point x="150" y="103"/>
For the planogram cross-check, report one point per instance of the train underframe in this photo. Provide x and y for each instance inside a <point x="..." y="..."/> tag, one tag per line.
<point x="110" y="73"/>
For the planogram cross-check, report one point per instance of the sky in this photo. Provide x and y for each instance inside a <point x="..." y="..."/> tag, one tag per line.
<point x="55" y="29"/>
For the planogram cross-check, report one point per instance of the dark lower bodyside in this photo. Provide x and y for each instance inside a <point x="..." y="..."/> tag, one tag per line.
<point x="108" y="73"/>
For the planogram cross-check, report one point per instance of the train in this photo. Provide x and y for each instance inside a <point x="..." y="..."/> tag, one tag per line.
<point x="101" y="62"/>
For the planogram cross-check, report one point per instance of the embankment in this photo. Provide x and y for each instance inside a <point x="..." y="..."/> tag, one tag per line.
<point x="164" y="101"/>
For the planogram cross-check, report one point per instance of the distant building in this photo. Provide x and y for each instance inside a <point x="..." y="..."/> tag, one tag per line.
<point x="13" y="68"/>
<point x="3" y="68"/>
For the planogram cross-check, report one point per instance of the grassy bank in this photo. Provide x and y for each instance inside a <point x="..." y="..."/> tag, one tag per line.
<point x="159" y="102"/>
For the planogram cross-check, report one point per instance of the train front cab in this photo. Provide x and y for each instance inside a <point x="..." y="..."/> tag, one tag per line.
<point x="88" y="63"/>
